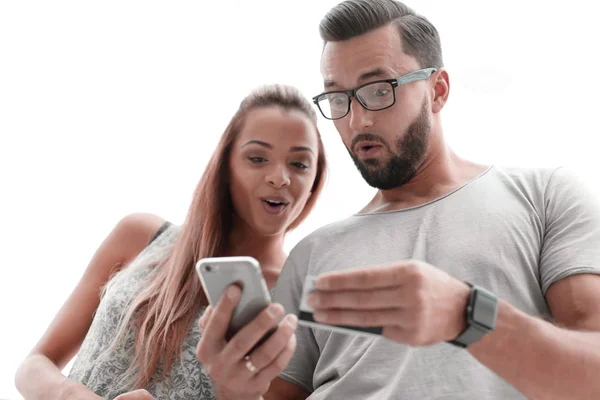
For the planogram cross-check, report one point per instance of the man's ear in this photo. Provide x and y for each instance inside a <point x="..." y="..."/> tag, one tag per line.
<point x="441" y="90"/>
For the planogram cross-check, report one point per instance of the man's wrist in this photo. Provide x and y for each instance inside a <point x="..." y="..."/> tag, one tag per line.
<point x="460" y="312"/>
<point x="480" y="316"/>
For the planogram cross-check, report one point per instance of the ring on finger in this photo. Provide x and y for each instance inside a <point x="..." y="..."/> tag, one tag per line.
<point x="251" y="367"/>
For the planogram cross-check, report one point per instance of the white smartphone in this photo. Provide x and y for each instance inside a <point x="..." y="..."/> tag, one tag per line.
<point x="305" y="315"/>
<point x="217" y="273"/>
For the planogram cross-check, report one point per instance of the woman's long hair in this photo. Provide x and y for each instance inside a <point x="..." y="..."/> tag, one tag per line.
<point x="164" y="310"/>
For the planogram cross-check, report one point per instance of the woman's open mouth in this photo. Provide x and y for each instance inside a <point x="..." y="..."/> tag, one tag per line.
<point x="274" y="206"/>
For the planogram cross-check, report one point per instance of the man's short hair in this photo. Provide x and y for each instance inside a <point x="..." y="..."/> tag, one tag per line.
<point x="351" y="18"/>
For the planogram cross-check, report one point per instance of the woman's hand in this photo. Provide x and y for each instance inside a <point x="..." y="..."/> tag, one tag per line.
<point x="234" y="374"/>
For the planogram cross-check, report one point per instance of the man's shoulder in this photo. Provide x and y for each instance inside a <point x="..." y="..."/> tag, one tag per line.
<point x="326" y="234"/>
<point x="528" y="173"/>
<point x="532" y="180"/>
<point x="331" y="228"/>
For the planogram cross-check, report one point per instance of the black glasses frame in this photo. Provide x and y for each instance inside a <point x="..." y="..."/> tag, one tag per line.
<point x="394" y="82"/>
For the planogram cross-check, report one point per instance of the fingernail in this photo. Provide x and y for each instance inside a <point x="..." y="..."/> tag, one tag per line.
<point x="292" y="341"/>
<point x="274" y="311"/>
<point x="292" y="321"/>
<point x="233" y="292"/>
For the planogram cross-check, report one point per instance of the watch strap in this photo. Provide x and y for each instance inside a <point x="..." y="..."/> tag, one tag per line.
<point x="481" y="313"/>
<point x="470" y="335"/>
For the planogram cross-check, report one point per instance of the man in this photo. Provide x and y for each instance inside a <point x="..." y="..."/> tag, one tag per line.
<point x="485" y="280"/>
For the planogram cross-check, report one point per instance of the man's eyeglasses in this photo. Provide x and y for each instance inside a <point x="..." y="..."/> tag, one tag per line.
<point x="374" y="96"/>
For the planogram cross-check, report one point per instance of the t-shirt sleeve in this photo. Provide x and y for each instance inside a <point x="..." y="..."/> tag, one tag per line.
<point x="572" y="229"/>
<point x="288" y="292"/>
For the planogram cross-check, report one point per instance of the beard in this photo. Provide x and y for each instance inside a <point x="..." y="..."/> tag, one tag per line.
<point x="402" y="165"/>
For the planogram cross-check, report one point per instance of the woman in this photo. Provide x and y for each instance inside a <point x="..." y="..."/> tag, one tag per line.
<point x="262" y="181"/>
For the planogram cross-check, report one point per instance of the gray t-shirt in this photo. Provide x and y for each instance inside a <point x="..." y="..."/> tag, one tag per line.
<point x="512" y="231"/>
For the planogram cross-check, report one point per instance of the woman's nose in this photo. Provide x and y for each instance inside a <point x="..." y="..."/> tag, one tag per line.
<point x="278" y="177"/>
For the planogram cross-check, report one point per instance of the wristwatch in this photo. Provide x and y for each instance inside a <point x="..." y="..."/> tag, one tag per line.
<point x="481" y="314"/>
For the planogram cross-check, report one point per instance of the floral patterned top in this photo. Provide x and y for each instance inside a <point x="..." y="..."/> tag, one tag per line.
<point x="102" y="369"/>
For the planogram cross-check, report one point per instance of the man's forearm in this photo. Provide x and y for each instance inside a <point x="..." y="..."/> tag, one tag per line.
<point x="539" y="359"/>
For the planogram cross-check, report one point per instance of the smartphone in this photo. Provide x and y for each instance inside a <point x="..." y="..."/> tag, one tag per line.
<point x="217" y="273"/>
<point x="305" y="315"/>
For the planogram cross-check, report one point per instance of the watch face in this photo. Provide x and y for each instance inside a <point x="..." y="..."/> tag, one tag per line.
<point x="485" y="309"/>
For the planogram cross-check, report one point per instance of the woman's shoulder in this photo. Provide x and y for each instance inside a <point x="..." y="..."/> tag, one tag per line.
<point x="139" y="227"/>
<point x="134" y="232"/>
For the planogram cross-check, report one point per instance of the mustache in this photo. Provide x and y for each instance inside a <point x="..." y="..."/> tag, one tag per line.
<point x="371" y="137"/>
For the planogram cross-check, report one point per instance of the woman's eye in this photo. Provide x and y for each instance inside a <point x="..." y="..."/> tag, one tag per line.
<point x="300" y="165"/>
<point x="257" y="160"/>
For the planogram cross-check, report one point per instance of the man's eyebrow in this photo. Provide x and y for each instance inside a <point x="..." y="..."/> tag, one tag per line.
<point x="375" y="73"/>
<point x="329" y="84"/>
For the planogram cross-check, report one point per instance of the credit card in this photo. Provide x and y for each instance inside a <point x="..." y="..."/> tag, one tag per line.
<point x="305" y="316"/>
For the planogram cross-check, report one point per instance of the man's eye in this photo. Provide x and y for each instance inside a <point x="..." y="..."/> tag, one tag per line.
<point x="337" y="101"/>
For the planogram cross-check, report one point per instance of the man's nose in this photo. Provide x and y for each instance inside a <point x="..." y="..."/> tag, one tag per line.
<point x="361" y="119"/>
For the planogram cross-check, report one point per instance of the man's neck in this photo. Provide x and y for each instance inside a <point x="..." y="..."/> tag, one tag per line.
<point x="441" y="172"/>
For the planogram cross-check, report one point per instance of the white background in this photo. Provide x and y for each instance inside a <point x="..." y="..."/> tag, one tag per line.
<point x="113" y="107"/>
